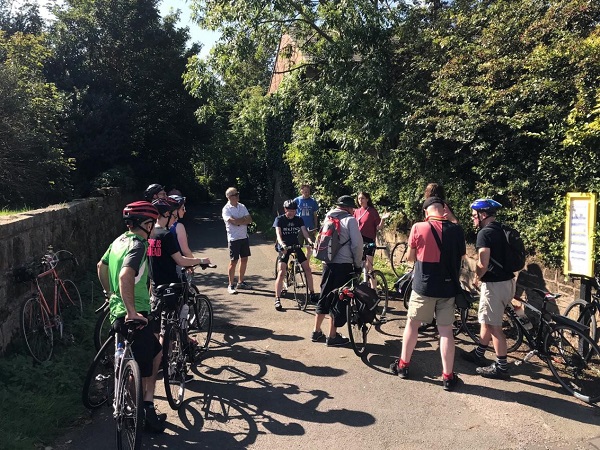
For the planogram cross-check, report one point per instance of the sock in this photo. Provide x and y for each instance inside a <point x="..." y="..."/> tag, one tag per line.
<point x="402" y="363"/>
<point x="480" y="350"/>
<point x="502" y="363"/>
<point x="447" y="376"/>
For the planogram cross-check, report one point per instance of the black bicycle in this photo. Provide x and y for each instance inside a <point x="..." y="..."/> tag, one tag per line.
<point x="585" y="311"/>
<point x="565" y="345"/>
<point x="398" y="257"/>
<point x="380" y="282"/>
<point x="295" y="277"/>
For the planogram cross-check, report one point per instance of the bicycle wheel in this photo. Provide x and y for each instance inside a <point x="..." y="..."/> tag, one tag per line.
<point x="37" y="329"/>
<point x="574" y="359"/>
<point x="407" y="294"/>
<point x="512" y="331"/>
<point x="357" y="331"/>
<point x="201" y="322"/>
<point x="174" y="365"/>
<point x="301" y="294"/>
<point x="382" y="294"/>
<point x="129" y="411"/>
<point x="398" y="257"/>
<point x="69" y="301"/>
<point x="99" y="381"/>
<point x="461" y="316"/>
<point x="102" y="328"/>
<point x="582" y="312"/>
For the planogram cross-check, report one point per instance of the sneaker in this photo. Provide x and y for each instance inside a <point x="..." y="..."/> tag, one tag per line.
<point x="402" y="372"/>
<point x="314" y="298"/>
<point x="231" y="289"/>
<point x="493" y="371"/>
<point x="451" y="383"/>
<point x="473" y="357"/>
<point x="152" y="422"/>
<point x="243" y="285"/>
<point x="278" y="306"/>
<point x="316" y="336"/>
<point x="337" y="341"/>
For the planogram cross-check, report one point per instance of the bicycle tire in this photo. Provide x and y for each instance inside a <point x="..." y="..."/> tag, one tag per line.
<point x="37" y="329"/>
<point x="202" y="320"/>
<point x="583" y="312"/>
<point x="69" y="300"/>
<point x="357" y="331"/>
<point x="129" y="416"/>
<point x="301" y="294"/>
<point x="398" y="257"/>
<point x="574" y="360"/>
<point x="174" y="365"/>
<point x="193" y="292"/>
<point x="98" y="387"/>
<point x="407" y="294"/>
<point x="382" y="294"/>
<point x="472" y="327"/>
<point x="102" y="328"/>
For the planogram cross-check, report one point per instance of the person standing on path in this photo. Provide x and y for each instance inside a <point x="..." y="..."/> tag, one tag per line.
<point x="307" y="211"/>
<point x="237" y="218"/>
<point x="437" y="246"/>
<point x="497" y="289"/>
<point x="340" y="270"/>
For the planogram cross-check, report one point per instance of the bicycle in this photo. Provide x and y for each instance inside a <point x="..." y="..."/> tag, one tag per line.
<point x="380" y="283"/>
<point x="40" y="319"/>
<point x="295" y="277"/>
<point x="565" y="345"/>
<point x="114" y="374"/>
<point x="398" y="257"/>
<point x="179" y="309"/>
<point x="584" y="311"/>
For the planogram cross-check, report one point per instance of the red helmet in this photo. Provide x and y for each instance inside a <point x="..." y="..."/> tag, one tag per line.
<point x="140" y="212"/>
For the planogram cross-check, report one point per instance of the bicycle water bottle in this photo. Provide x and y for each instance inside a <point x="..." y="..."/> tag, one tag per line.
<point x="183" y="315"/>
<point x="119" y="353"/>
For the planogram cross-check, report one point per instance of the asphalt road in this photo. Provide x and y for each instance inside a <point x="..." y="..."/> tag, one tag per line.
<point x="264" y="384"/>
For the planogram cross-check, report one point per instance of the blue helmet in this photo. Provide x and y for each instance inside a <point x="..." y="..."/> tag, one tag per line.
<point x="486" y="205"/>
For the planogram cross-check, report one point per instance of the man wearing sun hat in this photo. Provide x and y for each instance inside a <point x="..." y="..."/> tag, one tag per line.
<point x="340" y="270"/>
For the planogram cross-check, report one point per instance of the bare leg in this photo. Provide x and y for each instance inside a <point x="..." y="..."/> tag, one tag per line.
<point x="280" y="277"/>
<point x="308" y="274"/>
<point x="369" y="267"/>
<point x="447" y="348"/>
<point x="231" y="271"/>
<point x="409" y="339"/>
<point x="243" y="264"/>
<point x="498" y="339"/>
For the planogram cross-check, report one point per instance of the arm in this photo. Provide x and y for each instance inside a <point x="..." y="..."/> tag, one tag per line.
<point x="381" y="219"/>
<point x="183" y="241"/>
<point x="103" y="276"/>
<point x="356" y="241"/>
<point x="306" y="235"/>
<point x="246" y="220"/>
<point x="126" y="288"/>
<point x="412" y="255"/>
<point x="482" y="262"/>
<point x="279" y="236"/>
<point x="185" y="261"/>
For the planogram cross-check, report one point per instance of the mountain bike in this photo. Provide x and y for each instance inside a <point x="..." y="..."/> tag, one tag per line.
<point x="184" y="316"/>
<point x="295" y="278"/>
<point x="565" y="345"/>
<point x="43" y="316"/>
<point x="115" y="375"/>
<point x="585" y="311"/>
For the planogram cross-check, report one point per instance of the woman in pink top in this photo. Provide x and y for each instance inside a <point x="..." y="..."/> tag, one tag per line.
<point x="369" y="222"/>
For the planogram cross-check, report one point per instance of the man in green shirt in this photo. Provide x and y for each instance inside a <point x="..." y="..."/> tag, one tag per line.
<point x="123" y="273"/>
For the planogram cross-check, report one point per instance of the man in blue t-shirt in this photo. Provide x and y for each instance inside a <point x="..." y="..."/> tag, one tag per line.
<point x="307" y="210"/>
<point x="287" y="227"/>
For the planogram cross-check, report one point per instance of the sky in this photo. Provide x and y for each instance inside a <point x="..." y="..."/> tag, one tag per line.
<point x="205" y="37"/>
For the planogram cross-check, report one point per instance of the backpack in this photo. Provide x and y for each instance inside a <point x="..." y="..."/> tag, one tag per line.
<point x="366" y="300"/>
<point x="328" y="243"/>
<point x="514" y="250"/>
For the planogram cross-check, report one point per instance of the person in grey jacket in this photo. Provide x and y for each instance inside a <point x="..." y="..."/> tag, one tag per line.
<point x="340" y="270"/>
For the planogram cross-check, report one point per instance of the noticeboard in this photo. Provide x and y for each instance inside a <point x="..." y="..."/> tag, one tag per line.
<point x="580" y="228"/>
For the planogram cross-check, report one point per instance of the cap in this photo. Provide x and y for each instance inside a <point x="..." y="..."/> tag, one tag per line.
<point x="431" y="201"/>
<point x="346" y="201"/>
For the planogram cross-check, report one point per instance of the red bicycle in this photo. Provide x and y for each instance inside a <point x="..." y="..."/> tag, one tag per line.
<point x="44" y="315"/>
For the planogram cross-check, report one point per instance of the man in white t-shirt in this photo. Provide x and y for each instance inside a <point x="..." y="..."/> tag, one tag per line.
<point x="236" y="218"/>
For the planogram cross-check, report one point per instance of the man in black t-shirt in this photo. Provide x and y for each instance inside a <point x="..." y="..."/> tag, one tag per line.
<point x="497" y="289"/>
<point x="287" y="227"/>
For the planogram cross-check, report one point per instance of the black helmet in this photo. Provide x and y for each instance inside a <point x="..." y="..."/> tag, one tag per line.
<point x="290" y="204"/>
<point x="152" y="190"/>
<point x="165" y="205"/>
<point x="139" y="212"/>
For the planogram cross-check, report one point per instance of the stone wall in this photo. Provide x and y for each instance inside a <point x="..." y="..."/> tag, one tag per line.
<point x="84" y="227"/>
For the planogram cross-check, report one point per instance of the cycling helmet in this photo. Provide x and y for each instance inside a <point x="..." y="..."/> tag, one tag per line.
<point x="152" y="190"/>
<point x="139" y="212"/>
<point x="290" y="204"/>
<point x="179" y="199"/>
<point x="165" y="205"/>
<point x="486" y="205"/>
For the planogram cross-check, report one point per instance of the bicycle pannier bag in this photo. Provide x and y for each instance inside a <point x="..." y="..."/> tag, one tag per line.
<point x="169" y="296"/>
<point x="328" y="243"/>
<point x="339" y="309"/>
<point x="366" y="300"/>
<point x="514" y="250"/>
<point x="463" y="299"/>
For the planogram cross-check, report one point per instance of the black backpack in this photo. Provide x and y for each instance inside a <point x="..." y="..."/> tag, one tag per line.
<point x="514" y="250"/>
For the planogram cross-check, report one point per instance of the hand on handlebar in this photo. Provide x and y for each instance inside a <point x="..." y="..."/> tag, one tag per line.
<point x="358" y="270"/>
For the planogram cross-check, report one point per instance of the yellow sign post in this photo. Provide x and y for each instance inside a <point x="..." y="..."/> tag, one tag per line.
<point x="580" y="228"/>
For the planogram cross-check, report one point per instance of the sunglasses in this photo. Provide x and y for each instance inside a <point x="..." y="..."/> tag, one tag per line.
<point x="237" y="194"/>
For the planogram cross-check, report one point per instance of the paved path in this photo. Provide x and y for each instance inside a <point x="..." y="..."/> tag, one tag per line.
<point x="265" y="385"/>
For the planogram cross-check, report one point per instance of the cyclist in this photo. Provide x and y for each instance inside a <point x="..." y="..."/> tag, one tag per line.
<point x="123" y="273"/>
<point x="178" y="229"/>
<point x="153" y="192"/>
<point x="287" y="227"/>
<point x="497" y="289"/>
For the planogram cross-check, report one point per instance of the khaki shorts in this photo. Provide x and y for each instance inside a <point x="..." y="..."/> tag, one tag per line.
<point x="495" y="296"/>
<point x="422" y="309"/>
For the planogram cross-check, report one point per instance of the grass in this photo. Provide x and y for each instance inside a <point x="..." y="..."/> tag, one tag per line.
<point x="8" y="212"/>
<point x="40" y="402"/>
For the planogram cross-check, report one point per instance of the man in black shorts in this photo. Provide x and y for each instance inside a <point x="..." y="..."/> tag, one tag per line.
<point x="287" y="226"/>
<point x="236" y="218"/>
